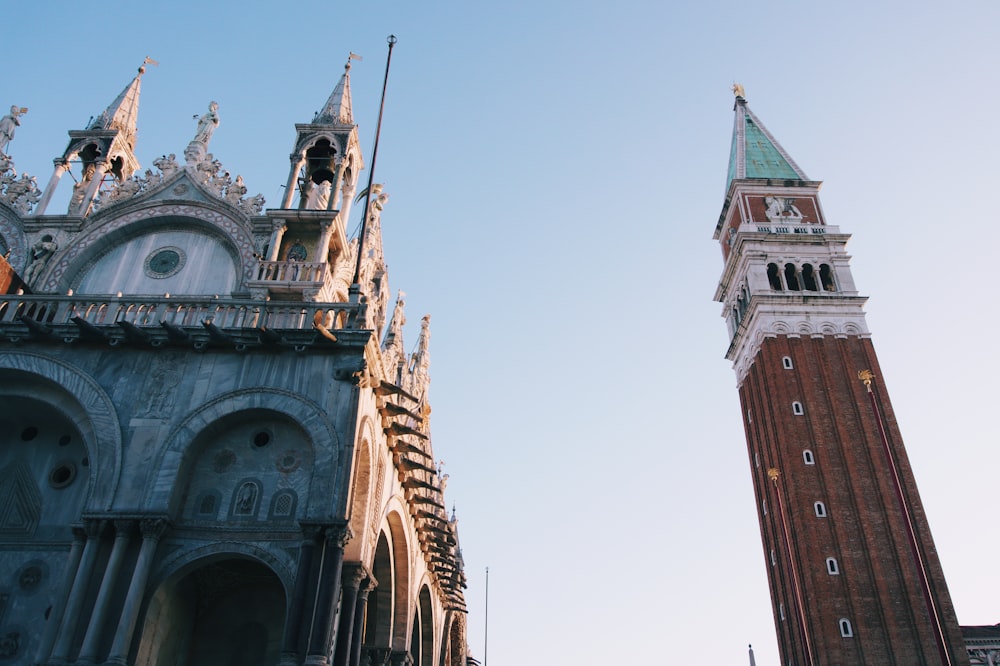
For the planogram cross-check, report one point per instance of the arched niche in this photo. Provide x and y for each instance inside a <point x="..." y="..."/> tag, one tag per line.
<point x="82" y="402"/>
<point x="73" y="263"/>
<point x="186" y="442"/>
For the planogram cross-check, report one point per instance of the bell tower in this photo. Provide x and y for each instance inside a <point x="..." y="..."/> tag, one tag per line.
<point x="104" y="152"/>
<point x="852" y="567"/>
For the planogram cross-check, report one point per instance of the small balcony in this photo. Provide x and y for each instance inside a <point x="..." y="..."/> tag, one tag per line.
<point x="303" y="278"/>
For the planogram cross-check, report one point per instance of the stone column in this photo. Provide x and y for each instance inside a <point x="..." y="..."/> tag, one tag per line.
<point x="338" y="180"/>
<point x="348" y="197"/>
<point x="278" y="228"/>
<point x="293" y="177"/>
<point x="92" y="640"/>
<point x="55" y="618"/>
<point x="152" y="530"/>
<point x="337" y="537"/>
<point x="292" y="642"/>
<point x="352" y="578"/>
<point x="323" y="248"/>
<point x="61" y="167"/>
<point x="67" y="629"/>
<point x="358" y="634"/>
<point x="100" y="168"/>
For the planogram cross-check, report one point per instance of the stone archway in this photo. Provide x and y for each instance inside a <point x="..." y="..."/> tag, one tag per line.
<point x="218" y="611"/>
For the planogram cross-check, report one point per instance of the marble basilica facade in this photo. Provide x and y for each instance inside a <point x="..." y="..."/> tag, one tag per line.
<point x="216" y="449"/>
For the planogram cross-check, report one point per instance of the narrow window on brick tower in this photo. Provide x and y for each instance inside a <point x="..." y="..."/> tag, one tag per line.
<point x="797" y="409"/>
<point x="774" y="277"/>
<point x="807" y="457"/>
<point x="845" y="628"/>
<point x="791" y="277"/>
<point x="786" y="362"/>
<point x="809" y="277"/>
<point x="820" y="509"/>
<point x="826" y="278"/>
<point x="831" y="566"/>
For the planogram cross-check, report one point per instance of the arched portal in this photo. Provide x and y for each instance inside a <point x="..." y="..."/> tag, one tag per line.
<point x="378" y="621"/>
<point x="426" y="617"/>
<point x="216" y="612"/>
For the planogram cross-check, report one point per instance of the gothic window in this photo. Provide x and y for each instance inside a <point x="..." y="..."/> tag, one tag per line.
<point x="809" y="277"/>
<point x="831" y="566"/>
<point x="845" y="628"/>
<point x="756" y="459"/>
<point x="826" y="278"/>
<point x="208" y="505"/>
<point x="774" y="559"/>
<point x="791" y="277"/>
<point x="764" y="505"/>
<point x="781" y="611"/>
<point x="774" y="277"/>
<point x="820" y="509"/>
<point x="807" y="457"/>
<point x="283" y="504"/>
<point x="797" y="408"/>
<point x="786" y="362"/>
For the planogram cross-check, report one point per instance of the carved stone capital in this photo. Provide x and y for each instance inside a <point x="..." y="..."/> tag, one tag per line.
<point x="400" y="658"/>
<point x="154" y="528"/>
<point x="353" y="575"/>
<point x="369" y="585"/>
<point x="94" y="527"/>
<point x="339" y="535"/>
<point x="279" y="225"/>
<point x="124" y="527"/>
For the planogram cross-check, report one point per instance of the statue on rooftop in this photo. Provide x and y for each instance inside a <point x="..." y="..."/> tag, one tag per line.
<point x="9" y="123"/>
<point x="207" y="125"/>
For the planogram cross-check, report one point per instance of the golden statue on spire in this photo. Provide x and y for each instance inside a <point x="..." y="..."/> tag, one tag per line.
<point x="738" y="90"/>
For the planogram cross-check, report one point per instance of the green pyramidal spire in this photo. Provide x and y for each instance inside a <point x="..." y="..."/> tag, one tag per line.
<point x="755" y="153"/>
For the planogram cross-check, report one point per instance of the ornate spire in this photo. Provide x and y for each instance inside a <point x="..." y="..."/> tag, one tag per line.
<point x="121" y="114"/>
<point x="337" y="110"/>
<point x="755" y="153"/>
<point x="420" y="362"/>
<point x="392" y="347"/>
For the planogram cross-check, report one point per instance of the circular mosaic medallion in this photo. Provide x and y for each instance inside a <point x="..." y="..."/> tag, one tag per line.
<point x="164" y="262"/>
<point x="224" y="459"/>
<point x="288" y="461"/>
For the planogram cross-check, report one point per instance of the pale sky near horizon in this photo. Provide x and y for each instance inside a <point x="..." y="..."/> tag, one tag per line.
<point x="555" y="172"/>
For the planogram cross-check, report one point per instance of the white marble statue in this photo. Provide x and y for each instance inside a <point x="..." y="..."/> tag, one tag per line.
<point x="207" y="125"/>
<point x="167" y="164"/>
<point x="41" y="252"/>
<point x="22" y="193"/>
<point x="318" y="196"/>
<point x="9" y="123"/>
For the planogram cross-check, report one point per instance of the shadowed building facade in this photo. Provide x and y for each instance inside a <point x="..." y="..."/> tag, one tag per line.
<point x="853" y="571"/>
<point x="215" y="448"/>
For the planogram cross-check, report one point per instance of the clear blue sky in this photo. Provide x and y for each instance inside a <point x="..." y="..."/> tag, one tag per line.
<point x="556" y="170"/>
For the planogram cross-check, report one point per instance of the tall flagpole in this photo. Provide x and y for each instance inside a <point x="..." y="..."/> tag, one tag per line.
<point x="371" y="172"/>
<point x="486" y="617"/>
